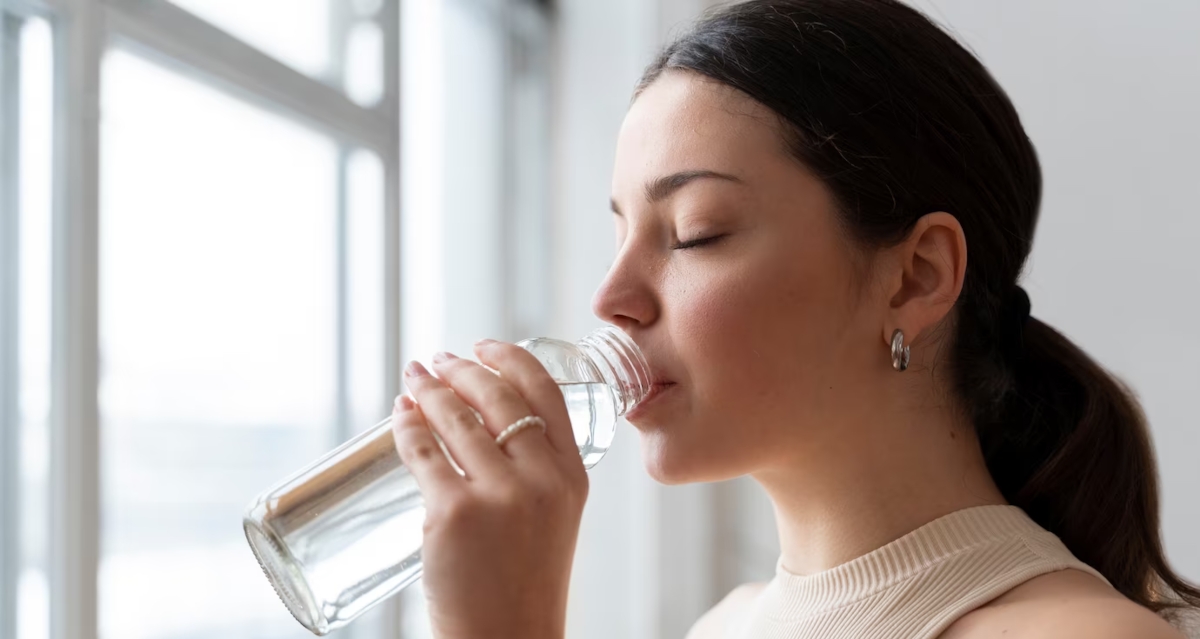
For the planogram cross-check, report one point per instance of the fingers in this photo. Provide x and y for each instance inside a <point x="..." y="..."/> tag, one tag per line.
<point x="529" y="378"/>
<point x="496" y="399"/>
<point x="419" y="450"/>
<point x="471" y="445"/>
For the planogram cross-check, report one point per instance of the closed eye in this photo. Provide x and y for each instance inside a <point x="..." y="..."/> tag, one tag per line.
<point x="698" y="242"/>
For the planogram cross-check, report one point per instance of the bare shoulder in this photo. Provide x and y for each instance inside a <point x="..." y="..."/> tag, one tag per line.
<point x="712" y="624"/>
<point x="1065" y="604"/>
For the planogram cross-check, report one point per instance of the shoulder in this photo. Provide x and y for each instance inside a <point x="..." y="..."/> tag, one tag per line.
<point x="713" y="624"/>
<point x="1066" y="604"/>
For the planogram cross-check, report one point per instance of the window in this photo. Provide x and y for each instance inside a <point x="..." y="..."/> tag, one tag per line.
<point x="200" y="276"/>
<point x="215" y="311"/>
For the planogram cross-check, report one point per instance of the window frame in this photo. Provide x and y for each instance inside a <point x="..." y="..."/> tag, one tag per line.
<point x="10" y="23"/>
<point x="13" y="16"/>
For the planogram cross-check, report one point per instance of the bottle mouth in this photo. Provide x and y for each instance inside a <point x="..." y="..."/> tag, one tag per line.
<point x="626" y="370"/>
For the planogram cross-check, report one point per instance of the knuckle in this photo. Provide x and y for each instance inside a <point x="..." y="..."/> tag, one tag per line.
<point x="496" y="394"/>
<point x="544" y="492"/>
<point x="406" y="438"/>
<point x="562" y="489"/>
<point x="513" y="356"/>
<point x="583" y="495"/>
<point x="575" y="486"/>
<point x="581" y="484"/>
<point x="422" y="452"/>
<point x="537" y="378"/>
<point x="462" y="420"/>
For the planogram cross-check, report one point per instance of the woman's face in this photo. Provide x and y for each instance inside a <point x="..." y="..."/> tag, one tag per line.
<point x="733" y="276"/>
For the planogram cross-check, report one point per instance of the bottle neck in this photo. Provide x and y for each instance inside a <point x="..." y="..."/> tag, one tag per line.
<point x="620" y="363"/>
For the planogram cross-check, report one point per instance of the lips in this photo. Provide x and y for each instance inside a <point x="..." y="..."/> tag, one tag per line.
<point x="657" y="388"/>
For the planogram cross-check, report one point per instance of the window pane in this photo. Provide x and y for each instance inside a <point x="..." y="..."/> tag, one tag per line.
<point x="218" y="345"/>
<point x="368" y="400"/>
<point x="34" y="165"/>
<point x="364" y="63"/>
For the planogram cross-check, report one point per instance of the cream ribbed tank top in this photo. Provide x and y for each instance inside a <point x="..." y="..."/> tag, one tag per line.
<point x="913" y="587"/>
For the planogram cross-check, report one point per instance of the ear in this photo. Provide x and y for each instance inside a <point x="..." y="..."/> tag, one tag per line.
<point x="926" y="276"/>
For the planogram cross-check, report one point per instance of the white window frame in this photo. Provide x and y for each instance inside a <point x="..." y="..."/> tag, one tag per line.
<point x="9" y="437"/>
<point x="84" y="29"/>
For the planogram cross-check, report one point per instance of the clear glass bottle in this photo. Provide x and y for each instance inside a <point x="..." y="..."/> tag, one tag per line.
<point x="345" y="533"/>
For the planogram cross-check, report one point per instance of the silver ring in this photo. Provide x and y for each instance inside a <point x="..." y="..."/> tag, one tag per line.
<point x="900" y="352"/>
<point x="518" y="426"/>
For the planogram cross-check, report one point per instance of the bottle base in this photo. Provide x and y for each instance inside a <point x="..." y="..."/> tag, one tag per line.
<point x="284" y="574"/>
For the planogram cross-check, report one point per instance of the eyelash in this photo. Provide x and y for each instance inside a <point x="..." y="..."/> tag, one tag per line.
<point x="697" y="242"/>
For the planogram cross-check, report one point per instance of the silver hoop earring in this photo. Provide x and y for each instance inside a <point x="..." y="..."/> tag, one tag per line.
<point x="900" y="352"/>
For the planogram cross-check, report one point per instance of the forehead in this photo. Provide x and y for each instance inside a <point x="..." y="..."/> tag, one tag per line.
<point x="684" y="121"/>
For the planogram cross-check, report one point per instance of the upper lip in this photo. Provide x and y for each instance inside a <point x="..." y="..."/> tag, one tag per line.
<point x="657" y="384"/>
<point x="657" y="376"/>
<point x="656" y="387"/>
<point x="658" y="379"/>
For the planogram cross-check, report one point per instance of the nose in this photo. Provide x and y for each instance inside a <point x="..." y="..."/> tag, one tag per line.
<point x="626" y="298"/>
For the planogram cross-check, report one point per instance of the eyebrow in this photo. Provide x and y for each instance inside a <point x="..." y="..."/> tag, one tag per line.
<point x="663" y="187"/>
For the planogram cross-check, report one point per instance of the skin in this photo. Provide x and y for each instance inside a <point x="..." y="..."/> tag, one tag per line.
<point x="770" y="346"/>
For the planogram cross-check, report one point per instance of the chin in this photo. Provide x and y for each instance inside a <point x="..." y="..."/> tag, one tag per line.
<point x="673" y="462"/>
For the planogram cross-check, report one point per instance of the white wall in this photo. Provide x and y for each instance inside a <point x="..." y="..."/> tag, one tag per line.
<point x="1109" y="91"/>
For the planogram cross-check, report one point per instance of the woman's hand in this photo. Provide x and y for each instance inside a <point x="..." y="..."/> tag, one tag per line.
<point x="500" y="540"/>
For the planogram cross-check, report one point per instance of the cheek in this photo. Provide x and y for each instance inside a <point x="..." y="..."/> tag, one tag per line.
<point x="758" y="338"/>
<point x="734" y="334"/>
<point x="729" y="336"/>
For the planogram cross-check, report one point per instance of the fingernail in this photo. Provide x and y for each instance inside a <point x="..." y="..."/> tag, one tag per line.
<point x="402" y="403"/>
<point x="415" y="369"/>
<point x="443" y="356"/>
<point x="485" y="342"/>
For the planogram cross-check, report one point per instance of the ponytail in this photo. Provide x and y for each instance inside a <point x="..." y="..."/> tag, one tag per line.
<point x="1072" y="449"/>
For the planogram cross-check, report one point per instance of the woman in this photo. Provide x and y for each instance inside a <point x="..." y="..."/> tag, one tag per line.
<point x="822" y="210"/>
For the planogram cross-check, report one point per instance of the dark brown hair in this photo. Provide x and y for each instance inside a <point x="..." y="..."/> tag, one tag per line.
<point x="899" y="120"/>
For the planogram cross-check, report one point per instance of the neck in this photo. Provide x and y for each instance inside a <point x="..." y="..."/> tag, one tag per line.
<point x="871" y="485"/>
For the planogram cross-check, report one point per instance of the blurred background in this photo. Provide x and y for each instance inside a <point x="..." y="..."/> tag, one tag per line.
<point x="225" y="223"/>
